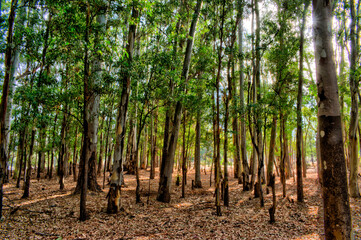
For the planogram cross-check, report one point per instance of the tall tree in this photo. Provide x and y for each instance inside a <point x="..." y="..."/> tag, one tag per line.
<point x="245" y="173"/>
<point x="117" y="174"/>
<point x="4" y="99"/>
<point x="299" y="107"/>
<point x="354" y="89"/>
<point x="337" y="216"/>
<point x="168" y="158"/>
<point x="96" y="67"/>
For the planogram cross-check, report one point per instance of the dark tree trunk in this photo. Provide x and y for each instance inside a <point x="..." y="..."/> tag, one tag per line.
<point x="299" y="109"/>
<point x="337" y="216"/>
<point x="4" y="100"/>
<point x="28" y="169"/>
<point x="62" y="151"/>
<point x="272" y="146"/>
<point x="184" y="157"/>
<point x="75" y="155"/>
<point x="52" y="148"/>
<point x="283" y="154"/>
<point x="354" y="118"/>
<point x="197" y="152"/>
<point x="154" y="146"/>
<point x="100" y="161"/>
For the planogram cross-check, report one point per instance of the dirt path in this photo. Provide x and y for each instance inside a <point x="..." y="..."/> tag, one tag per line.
<point x="53" y="214"/>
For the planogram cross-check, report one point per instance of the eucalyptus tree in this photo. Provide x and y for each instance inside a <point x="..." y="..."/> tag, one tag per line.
<point x="117" y="174"/>
<point x="299" y="107"/>
<point x="4" y="99"/>
<point x="337" y="216"/>
<point x="243" y="143"/>
<point x="170" y="148"/>
<point x="354" y="90"/>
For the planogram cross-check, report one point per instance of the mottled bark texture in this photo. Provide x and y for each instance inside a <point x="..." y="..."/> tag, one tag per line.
<point x="117" y="173"/>
<point x="337" y="217"/>
<point x="166" y="170"/>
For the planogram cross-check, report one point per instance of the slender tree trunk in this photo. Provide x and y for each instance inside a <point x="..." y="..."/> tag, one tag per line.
<point x="93" y="78"/>
<point x="197" y="152"/>
<point x="117" y="173"/>
<point x="337" y="216"/>
<point x="354" y="89"/>
<point x="283" y="154"/>
<point x="218" y="137"/>
<point x="62" y="150"/>
<point x="28" y="168"/>
<point x="52" y="147"/>
<point x="75" y="155"/>
<point x="168" y="159"/>
<point x="304" y="164"/>
<point x="225" y="150"/>
<point x="22" y="155"/>
<point x="100" y="161"/>
<point x="272" y="146"/>
<point x="299" y="109"/>
<point x="245" y="174"/>
<point x="184" y="157"/>
<point x="154" y="146"/>
<point x="4" y="100"/>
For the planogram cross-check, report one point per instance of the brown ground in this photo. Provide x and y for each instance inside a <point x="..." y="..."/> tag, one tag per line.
<point x="53" y="214"/>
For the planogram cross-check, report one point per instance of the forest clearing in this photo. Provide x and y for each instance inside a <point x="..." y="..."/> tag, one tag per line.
<point x="53" y="214"/>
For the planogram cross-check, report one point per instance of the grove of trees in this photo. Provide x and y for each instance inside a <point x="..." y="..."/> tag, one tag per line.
<point x="256" y="90"/>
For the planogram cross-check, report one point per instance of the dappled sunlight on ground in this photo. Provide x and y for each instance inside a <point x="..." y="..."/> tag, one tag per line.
<point x="52" y="214"/>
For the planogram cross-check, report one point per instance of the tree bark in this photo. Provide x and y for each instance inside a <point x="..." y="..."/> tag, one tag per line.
<point x="87" y="111"/>
<point x="75" y="155"/>
<point x="299" y="109"/>
<point x="354" y="88"/>
<point x="52" y="148"/>
<point x="197" y="152"/>
<point x="184" y="157"/>
<point x="154" y="145"/>
<point x="94" y="78"/>
<point x="28" y="168"/>
<point x="4" y="100"/>
<point x="337" y="216"/>
<point x="243" y="112"/>
<point x="272" y="145"/>
<point x="168" y="155"/>
<point x="117" y="173"/>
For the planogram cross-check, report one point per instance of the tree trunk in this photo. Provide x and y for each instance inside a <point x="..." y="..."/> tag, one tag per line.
<point x="154" y="146"/>
<point x="117" y="173"/>
<point x="75" y="155"/>
<point x="272" y="146"/>
<point x="197" y="152"/>
<point x="184" y="157"/>
<point x="354" y="88"/>
<point x="225" y="150"/>
<point x="22" y="154"/>
<point x="299" y="109"/>
<point x="28" y="168"/>
<point x="245" y="173"/>
<point x="168" y="155"/>
<point x="100" y="161"/>
<point x="4" y="100"/>
<point x="283" y="154"/>
<point x="93" y="79"/>
<point x="337" y="216"/>
<point x="52" y="148"/>
<point x="62" y="150"/>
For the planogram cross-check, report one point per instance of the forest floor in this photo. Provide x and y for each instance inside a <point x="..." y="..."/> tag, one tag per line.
<point x="53" y="214"/>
